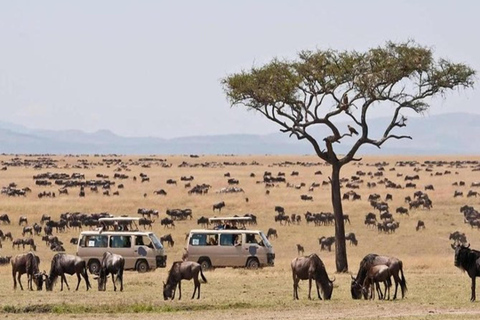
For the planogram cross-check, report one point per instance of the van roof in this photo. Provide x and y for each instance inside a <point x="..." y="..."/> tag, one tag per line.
<point x="223" y="231"/>
<point x="113" y="232"/>
<point x="239" y="219"/>
<point x="132" y="219"/>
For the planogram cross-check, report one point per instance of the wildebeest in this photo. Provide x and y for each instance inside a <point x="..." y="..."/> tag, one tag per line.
<point x="26" y="263"/>
<point x="300" y="249"/>
<point x="272" y="233"/>
<point x="182" y="270"/>
<point x="395" y="265"/>
<point x="326" y="243"/>
<point x="351" y="237"/>
<point x="420" y="224"/>
<point x="4" y="218"/>
<point x="66" y="264"/>
<point x="376" y="275"/>
<point x="311" y="268"/>
<point x="203" y="221"/>
<point x="22" y="220"/>
<point x="167" y="222"/>
<point x="111" y="264"/>
<point x="219" y="206"/>
<point x="467" y="260"/>
<point x="167" y="238"/>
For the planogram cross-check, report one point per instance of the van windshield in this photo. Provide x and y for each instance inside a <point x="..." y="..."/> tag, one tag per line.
<point x="265" y="240"/>
<point x="156" y="242"/>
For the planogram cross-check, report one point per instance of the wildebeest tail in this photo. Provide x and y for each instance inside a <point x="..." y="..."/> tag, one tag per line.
<point x="203" y="277"/>
<point x="403" y="282"/>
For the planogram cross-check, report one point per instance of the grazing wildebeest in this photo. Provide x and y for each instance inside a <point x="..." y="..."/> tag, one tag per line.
<point x="111" y="264"/>
<point x="18" y="243"/>
<point x="272" y="232"/>
<point x="351" y="237"/>
<point x="219" y="206"/>
<point x="300" y="249"/>
<point x="311" y="268"/>
<point x="27" y="229"/>
<point x="167" y="238"/>
<point x="182" y="270"/>
<point x="467" y="260"/>
<point x="22" y="219"/>
<point x="26" y="263"/>
<point x="376" y="275"/>
<point x="30" y="242"/>
<point x="395" y="265"/>
<point x="4" y="218"/>
<point x="66" y="264"/>
<point x="420" y="224"/>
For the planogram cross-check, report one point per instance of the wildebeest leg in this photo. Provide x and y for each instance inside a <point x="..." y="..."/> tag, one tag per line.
<point x="120" y="276"/>
<point x="473" y="289"/>
<point x="14" y="280"/>
<point x="309" y="288"/>
<point x="78" y="283"/>
<point x="295" y="283"/>
<point x="64" y="279"/>
<point x="318" y="290"/>
<point x="113" y="280"/>
<point x="397" y="282"/>
<point x="30" y="282"/>
<point x="196" y="283"/>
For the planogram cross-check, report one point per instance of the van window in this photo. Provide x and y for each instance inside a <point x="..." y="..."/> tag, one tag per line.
<point x="203" y="239"/>
<point x="96" y="241"/>
<point x="120" y="242"/>
<point x="252" y="238"/>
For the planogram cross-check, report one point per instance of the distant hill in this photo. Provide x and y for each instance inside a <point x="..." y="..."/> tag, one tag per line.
<point x="454" y="133"/>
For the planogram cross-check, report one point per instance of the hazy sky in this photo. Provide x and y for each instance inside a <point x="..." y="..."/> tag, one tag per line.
<point x="153" y="68"/>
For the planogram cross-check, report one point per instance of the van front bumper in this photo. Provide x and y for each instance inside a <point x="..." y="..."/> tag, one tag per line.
<point x="270" y="259"/>
<point x="161" y="261"/>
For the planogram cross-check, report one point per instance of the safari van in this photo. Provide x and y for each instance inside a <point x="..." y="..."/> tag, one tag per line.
<point x="230" y="248"/>
<point x="141" y="250"/>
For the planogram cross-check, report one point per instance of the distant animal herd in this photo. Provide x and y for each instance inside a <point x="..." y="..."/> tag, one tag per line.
<point x="374" y="270"/>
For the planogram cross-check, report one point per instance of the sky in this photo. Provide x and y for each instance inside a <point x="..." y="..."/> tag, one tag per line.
<point x="153" y="68"/>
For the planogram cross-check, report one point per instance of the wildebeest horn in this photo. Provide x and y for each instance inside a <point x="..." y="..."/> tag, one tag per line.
<point x="333" y="279"/>
<point x="468" y="245"/>
<point x="453" y="246"/>
<point x="353" y="278"/>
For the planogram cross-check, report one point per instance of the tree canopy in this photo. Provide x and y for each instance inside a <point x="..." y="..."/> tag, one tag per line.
<point x="321" y="85"/>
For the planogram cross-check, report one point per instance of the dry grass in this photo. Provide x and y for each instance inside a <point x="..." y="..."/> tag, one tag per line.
<point x="436" y="288"/>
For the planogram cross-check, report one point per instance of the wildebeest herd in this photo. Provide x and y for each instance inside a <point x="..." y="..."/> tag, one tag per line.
<point x="391" y="196"/>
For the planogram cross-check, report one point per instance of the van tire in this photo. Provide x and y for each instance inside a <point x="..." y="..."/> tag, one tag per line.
<point x="252" y="263"/>
<point x="142" y="266"/>
<point x="94" y="266"/>
<point x="205" y="263"/>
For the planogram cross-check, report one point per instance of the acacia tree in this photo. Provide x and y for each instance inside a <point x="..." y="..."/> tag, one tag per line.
<point x="325" y="88"/>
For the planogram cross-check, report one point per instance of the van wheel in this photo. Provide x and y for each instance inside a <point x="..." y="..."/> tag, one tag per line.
<point x="253" y="263"/>
<point x="205" y="263"/>
<point x="94" y="266"/>
<point x="142" y="266"/>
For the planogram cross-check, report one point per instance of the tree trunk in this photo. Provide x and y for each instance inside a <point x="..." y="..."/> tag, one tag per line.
<point x="340" y="245"/>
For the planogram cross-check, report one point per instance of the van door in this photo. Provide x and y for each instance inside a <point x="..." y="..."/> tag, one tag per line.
<point x="230" y="250"/>
<point x="253" y="248"/>
<point x="122" y="245"/>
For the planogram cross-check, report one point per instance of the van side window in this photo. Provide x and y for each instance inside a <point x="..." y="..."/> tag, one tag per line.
<point x="94" y="241"/>
<point x="203" y="239"/>
<point x="227" y="239"/>
<point x="120" y="242"/>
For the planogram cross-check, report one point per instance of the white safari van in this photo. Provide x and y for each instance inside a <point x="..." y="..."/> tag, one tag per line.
<point x="141" y="250"/>
<point x="230" y="248"/>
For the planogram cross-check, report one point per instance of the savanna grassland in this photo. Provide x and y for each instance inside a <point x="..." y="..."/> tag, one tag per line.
<point x="436" y="289"/>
